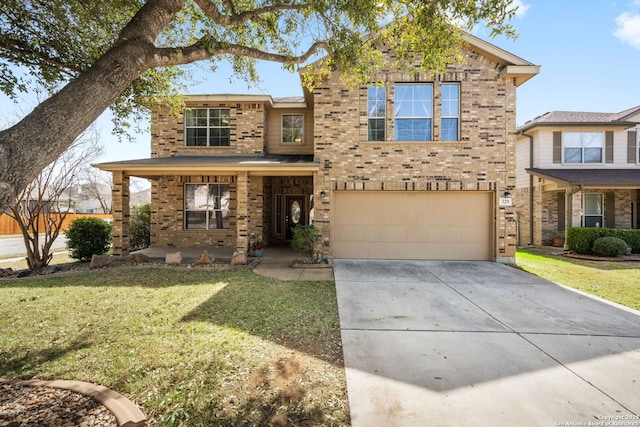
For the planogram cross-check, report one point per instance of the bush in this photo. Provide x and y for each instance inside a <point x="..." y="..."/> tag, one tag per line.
<point x="306" y="240"/>
<point x="580" y="240"/>
<point x="88" y="236"/>
<point x="609" y="246"/>
<point x="140" y="226"/>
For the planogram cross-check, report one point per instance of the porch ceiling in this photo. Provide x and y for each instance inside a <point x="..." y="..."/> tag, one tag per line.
<point x="271" y="165"/>
<point x="600" y="178"/>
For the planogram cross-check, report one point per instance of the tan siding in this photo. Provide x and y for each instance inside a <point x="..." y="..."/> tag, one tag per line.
<point x="274" y="132"/>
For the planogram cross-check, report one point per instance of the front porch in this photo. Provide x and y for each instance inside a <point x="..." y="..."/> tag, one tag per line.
<point x="217" y="202"/>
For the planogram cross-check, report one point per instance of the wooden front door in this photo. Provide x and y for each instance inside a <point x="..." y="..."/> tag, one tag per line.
<point x="295" y="214"/>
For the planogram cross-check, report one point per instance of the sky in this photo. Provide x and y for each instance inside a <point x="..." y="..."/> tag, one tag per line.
<point x="588" y="50"/>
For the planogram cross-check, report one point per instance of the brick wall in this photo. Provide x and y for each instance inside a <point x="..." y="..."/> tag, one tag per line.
<point x="483" y="160"/>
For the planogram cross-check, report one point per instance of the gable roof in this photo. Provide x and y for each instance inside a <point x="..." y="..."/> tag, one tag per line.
<point x="568" y="118"/>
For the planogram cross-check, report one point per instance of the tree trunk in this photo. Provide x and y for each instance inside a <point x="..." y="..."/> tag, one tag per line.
<point x="29" y="146"/>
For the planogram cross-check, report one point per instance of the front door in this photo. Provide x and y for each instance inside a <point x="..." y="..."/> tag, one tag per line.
<point x="294" y="214"/>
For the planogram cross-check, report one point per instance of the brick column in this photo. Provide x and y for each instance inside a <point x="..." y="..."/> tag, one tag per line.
<point x="242" y="212"/>
<point x="120" y="210"/>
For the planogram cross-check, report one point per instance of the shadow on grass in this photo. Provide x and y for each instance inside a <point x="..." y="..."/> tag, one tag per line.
<point x="604" y="264"/>
<point x="297" y="315"/>
<point x="24" y="361"/>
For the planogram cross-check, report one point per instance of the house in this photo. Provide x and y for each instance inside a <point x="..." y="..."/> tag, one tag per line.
<point x="407" y="167"/>
<point x="577" y="169"/>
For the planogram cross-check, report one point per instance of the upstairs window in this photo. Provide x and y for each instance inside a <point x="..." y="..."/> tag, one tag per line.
<point x="292" y="129"/>
<point x="208" y="127"/>
<point x="582" y="147"/>
<point x="413" y="111"/>
<point x="450" y="112"/>
<point x="376" y="113"/>
<point x="206" y="206"/>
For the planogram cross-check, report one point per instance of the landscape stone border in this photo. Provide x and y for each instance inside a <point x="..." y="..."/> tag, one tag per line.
<point x="126" y="412"/>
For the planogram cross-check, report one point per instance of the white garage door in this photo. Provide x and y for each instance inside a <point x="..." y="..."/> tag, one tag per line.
<point x="413" y="225"/>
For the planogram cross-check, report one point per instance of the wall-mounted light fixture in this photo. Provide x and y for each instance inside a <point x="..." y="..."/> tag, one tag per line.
<point x="507" y="193"/>
<point x="323" y="193"/>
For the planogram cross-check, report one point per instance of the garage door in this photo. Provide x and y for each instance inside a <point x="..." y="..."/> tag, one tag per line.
<point x="413" y="225"/>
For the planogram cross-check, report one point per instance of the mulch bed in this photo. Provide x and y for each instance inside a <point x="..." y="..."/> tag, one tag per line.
<point x="23" y="405"/>
<point x="632" y="257"/>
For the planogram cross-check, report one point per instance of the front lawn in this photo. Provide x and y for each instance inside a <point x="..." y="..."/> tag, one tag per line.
<point x="190" y="346"/>
<point x="615" y="281"/>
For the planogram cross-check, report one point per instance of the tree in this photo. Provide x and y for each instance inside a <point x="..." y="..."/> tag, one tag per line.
<point x="43" y="205"/>
<point x="97" y="185"/>
<point x="124" y="54"/>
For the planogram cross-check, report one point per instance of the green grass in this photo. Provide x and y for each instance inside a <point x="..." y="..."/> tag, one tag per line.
<point x="191" y="346"/>
<point x="615" y="281"/>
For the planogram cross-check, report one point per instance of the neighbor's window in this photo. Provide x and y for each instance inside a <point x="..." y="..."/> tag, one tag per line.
<point x="292" y="128"/>
<point x="582" y="147"/>
<point x="413" y="111"/>
<point x="450" y="112"/>
<point x="206" y="206"/>
<point x="592" y="210"/>
<point x="376" y="113"/>
<point x="208" y="127"/>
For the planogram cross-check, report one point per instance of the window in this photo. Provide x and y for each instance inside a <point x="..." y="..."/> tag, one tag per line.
<point x="450" y="112"/>
<point x="582" y="147"/>
<point x="376" y="113"/>
<point x="413" y="111"/>
<point x="206" y="206"/>
<point x="208" y="127"/>
<point x="592" y="210"/>
<point x="292" y="128"/>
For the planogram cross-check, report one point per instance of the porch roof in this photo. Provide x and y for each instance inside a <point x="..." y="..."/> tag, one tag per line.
<point x="255" y="164"/>
<point x="610" y="178"/>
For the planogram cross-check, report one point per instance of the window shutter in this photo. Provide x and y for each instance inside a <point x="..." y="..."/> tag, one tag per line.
<point x="632" y="137"/>
<point x="610" y="210"/>
<point x="608" y="146"/>
<point x="557" y="147"/>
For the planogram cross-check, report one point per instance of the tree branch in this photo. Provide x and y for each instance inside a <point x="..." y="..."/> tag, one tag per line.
<point x="204" y="49"/>
<point x="235" y="18"/>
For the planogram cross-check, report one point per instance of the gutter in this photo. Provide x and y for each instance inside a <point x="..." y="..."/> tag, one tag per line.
<point x="530" y="186"/>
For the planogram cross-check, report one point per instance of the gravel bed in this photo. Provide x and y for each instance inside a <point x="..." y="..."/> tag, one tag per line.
<point x="23" y="405"/>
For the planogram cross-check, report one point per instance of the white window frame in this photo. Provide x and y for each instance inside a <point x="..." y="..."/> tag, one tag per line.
<point x="586" y="214"/>
<point x="446" y="112"/>
<point x="300" y="139"/>
<point x="209" y="129"/>
<point x="582" y="148"/>
<point x="214" y="208"/>
<point x="376" y="112"/>
<point x="403" y="115"/>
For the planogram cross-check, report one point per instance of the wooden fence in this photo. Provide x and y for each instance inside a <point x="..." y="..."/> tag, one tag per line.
<point x="9" y="225"/>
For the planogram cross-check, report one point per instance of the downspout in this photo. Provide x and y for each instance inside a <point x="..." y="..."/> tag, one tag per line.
<point x="530" y="187"/>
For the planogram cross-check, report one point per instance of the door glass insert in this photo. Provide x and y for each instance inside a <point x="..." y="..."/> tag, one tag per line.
<point x="295" y="212"/>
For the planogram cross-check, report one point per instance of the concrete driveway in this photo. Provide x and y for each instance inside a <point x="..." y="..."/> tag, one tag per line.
<point x="435" y="343"/>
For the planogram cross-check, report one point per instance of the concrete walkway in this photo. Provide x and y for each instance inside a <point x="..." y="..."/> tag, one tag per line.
<point x="429" y="343"/>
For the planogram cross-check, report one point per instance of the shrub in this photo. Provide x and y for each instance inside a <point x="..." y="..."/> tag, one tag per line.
<point x="307" y="240"/>
<point x="580" y="240"/>
<point x="140" y="226"/>
<point x="88" y="236"/>
<point x="609" y="246"/>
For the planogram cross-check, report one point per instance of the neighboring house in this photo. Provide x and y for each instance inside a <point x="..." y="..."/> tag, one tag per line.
<point x="417" y="168"/>
<point x="577" y="169"/>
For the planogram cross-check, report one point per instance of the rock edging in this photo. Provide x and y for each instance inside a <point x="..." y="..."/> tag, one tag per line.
<point x="126" y="412"/>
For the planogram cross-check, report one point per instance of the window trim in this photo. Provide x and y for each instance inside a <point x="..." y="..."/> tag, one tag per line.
<point x="582" y="148"/>
<point x="282" y="129"/>
<point x="584" y="215"/>
<point x="208" y="127"/>
<point x="396" y="117"/>
<point x="382" y="117"/>
<point x="443" y="117"/>
<point x="208" y="208"/>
